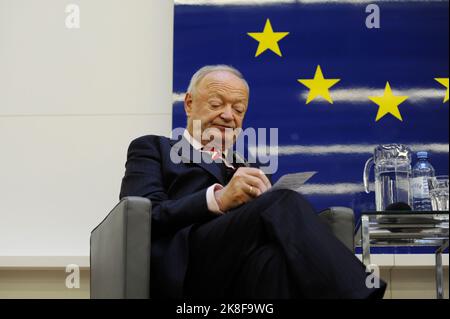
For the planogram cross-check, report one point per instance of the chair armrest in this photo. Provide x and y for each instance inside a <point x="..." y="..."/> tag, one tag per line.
<point x="120" y="251"/>
<point x="341" y="221"/>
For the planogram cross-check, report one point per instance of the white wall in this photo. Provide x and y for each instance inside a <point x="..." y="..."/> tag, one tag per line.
<point x="71" y="100"/>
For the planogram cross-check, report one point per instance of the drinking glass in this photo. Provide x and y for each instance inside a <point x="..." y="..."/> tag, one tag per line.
<point x="438" y="187"/>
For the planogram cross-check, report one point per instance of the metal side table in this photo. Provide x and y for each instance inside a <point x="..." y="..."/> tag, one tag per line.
<point x="405" y="228"/>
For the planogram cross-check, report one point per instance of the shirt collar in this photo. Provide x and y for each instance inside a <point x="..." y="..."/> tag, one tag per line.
<point x="196" y="144"/>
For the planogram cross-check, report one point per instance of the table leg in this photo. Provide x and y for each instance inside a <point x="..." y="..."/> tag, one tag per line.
<point x="365" y="238"/>
<point x="439" y="271"/>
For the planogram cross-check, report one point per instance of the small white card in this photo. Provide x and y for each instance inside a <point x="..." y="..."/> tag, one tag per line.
<point x="292" y="181"/>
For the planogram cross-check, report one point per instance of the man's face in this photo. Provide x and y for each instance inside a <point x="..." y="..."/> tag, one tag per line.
<point x="219" y="102"/>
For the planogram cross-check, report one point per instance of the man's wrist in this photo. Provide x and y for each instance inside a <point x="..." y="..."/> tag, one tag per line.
<point x="211" y="199"/>
<point x="218" y="199"/>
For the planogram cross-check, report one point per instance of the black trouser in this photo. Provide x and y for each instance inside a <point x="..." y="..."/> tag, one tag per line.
<point x="273" y="247"/>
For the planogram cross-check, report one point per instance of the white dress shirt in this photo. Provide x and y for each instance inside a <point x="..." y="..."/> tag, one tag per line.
<point x="210" y="198"/>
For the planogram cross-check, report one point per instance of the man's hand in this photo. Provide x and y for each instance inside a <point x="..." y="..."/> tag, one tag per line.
<point x="247" y="183"/>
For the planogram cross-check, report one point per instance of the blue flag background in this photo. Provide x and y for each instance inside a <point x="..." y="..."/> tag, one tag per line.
<point x="409" y="50"/>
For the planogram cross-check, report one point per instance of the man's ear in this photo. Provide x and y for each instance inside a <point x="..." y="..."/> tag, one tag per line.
<point x="188" y="104"/>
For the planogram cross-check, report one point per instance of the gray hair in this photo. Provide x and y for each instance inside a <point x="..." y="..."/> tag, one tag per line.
<point x="201" y="73"/>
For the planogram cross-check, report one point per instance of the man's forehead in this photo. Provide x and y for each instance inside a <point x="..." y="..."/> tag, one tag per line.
<point x="218" y="79"/>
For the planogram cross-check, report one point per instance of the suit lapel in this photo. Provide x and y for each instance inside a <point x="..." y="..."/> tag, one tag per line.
<point x="188" y="154"/>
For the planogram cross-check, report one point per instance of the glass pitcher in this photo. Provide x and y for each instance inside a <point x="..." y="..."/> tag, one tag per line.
<point x="392" y="172"/>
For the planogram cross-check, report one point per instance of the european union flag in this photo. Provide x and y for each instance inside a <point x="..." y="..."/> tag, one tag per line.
<point x="408" y="49"/>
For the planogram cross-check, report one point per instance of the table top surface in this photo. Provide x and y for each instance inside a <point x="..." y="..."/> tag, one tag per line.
<point x="404" y="228"/>
<point x="405" y="212"/>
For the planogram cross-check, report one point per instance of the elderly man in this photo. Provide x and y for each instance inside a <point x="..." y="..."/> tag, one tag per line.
<point x="216" y="229"/>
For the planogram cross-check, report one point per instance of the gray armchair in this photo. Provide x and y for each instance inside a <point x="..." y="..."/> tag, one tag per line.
<point x="120" y="252"/>
<point x="120" y="247"/>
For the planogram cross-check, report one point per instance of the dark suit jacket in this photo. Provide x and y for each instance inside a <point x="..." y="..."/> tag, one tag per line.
<point x="178" y="195"/>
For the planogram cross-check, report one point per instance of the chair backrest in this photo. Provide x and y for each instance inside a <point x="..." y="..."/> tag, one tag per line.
<point x="341" y="221"/>
<point x="120" y="251"/>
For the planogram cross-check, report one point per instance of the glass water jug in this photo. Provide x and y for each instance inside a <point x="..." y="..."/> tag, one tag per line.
<point x="392" y="167"/>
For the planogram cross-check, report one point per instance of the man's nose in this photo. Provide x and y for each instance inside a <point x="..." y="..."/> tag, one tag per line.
<point x="227" y="114"/>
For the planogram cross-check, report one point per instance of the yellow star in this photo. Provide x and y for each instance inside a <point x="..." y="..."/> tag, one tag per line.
<point x="388" y="103"/>
<point x="444" y="82"/>
<point x="319" y="86"/>
<point x="268" y="39"/>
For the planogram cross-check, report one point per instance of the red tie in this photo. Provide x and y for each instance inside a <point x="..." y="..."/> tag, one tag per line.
<point x="215" y="153"/>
